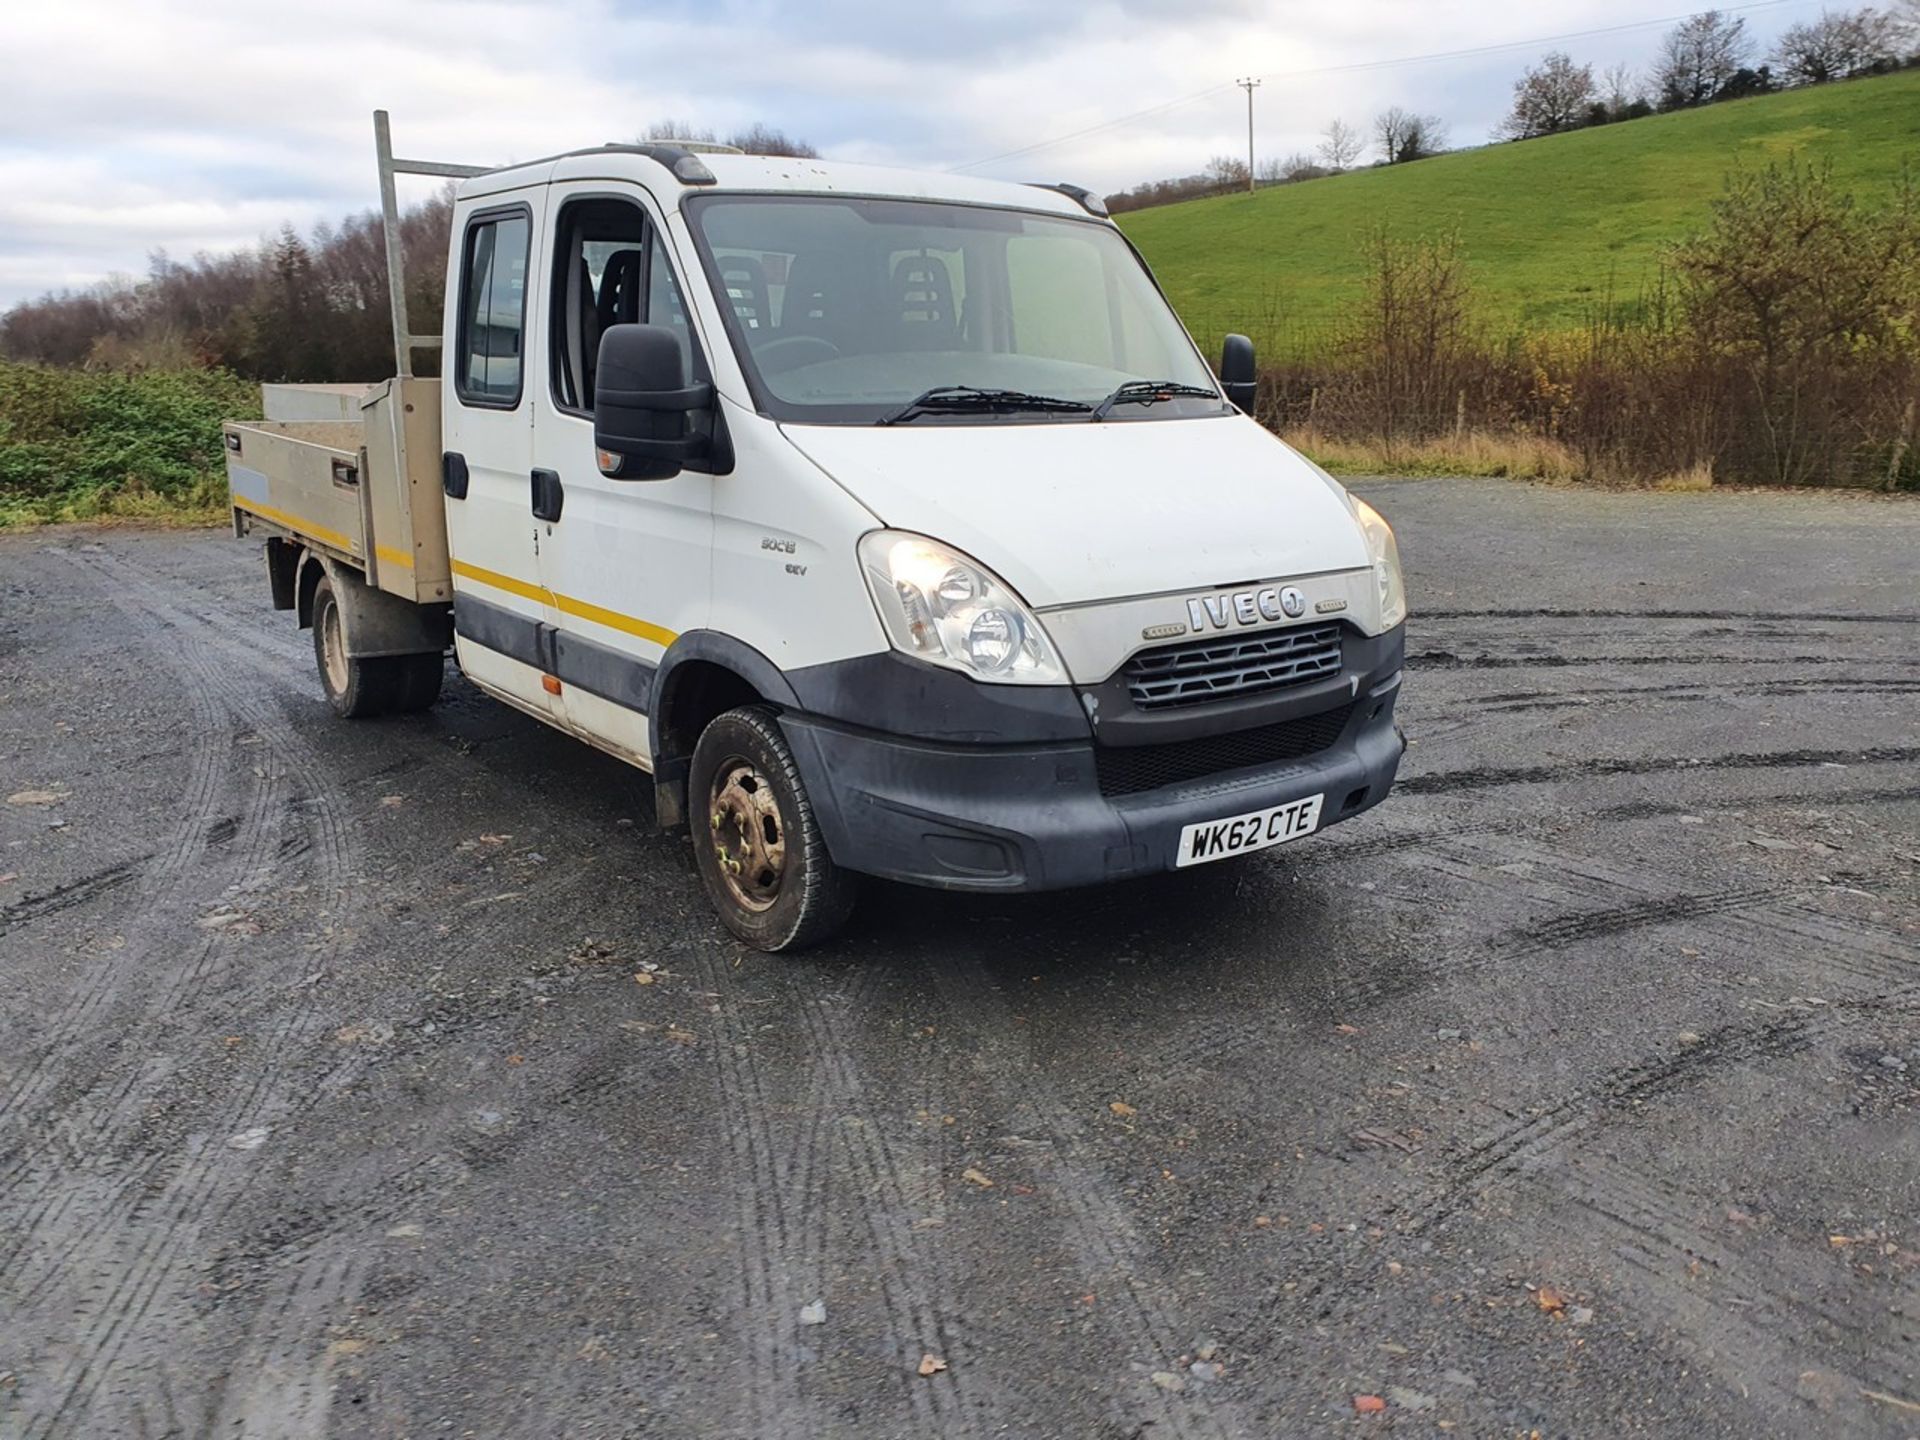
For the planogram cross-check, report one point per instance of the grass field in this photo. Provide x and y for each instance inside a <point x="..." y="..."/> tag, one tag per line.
<point x="1550" y="226"/>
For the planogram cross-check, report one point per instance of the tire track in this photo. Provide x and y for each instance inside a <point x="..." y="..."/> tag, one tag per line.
<point x="203" y="1183"/>
<point x="178" y="864"/>
<point x="1865" y="954"/>
<point x="1351" y="842"/>
<point x="1098" y="1224"/>
<point x="1528" y="1143"/>
<point x="1789" y="617"/>
<point x="1521" y="943"/>
<point x="1563" y="931"/>
<point x="1816" y="799"/>
<point x="1451" y="660"/>
<point x="914" y="1282"/>
<point x="1530" y="701"/>
<point x="1667" y="1247"/>
<point x="40" y="905"/>
<point x="779" y="1219"/>
<point x="275" y="1383"/>
<point x="1872" y="955"/>
<point x="1450" y="782"/>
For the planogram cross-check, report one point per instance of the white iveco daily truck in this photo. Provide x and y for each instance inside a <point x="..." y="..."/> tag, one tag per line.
<point x="891" y="522"/>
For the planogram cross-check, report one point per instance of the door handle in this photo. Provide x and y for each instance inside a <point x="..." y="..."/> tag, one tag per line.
<point x="453" y="474"/>
<point x="548" y="495"/>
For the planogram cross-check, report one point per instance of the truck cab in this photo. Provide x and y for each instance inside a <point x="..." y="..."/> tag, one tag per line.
<point x="893" y="524"/>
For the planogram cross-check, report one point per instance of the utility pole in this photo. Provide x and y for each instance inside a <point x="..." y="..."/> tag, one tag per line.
<point x="1249" y="84"/>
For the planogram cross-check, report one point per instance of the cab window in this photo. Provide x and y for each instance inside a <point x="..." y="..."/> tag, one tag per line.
<point x="609" y="269"/>
<point x="493" y="310"/>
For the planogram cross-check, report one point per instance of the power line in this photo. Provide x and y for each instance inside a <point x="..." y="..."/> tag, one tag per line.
<point x="1354" y="68"/>
<point x="1096" y="129"/>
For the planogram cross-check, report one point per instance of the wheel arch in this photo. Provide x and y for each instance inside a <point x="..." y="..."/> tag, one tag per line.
<point x="309" y="570"/>
<point x="703" y="674"/>
<point x="374" y="623"/>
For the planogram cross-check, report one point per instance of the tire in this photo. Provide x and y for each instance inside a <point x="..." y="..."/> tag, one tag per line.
<point x="755" y="838"/>
<point x="416" y="681"/>
<point x="356" y="689"/>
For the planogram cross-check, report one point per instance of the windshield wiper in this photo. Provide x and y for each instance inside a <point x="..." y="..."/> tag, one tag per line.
<point x="971" y="399"/>
<point x="1146" y="392"/>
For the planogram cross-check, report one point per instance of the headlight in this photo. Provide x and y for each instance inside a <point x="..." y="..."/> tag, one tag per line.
<point x="939" y="606"/>
<point x="1385" y="555"/>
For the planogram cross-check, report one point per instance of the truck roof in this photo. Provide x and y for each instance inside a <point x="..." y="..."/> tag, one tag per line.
<point x="654" y="166"/>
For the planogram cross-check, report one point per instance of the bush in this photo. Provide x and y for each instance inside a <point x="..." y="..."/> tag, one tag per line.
<point x="1780" y="346"/>
<point x="77" y="445"/>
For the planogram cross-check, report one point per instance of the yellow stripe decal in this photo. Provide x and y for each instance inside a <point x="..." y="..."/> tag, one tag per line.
<point x="658" y="634"/>
<point x="296" y="523"/>
<point x="497" y="581"/>
<point x="566" y="604"/>
<point x="320" y="532"/>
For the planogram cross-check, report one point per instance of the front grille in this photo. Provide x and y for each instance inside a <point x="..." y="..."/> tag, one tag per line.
<point x="1132" y="769"/>
<point x="1214" y="669"/>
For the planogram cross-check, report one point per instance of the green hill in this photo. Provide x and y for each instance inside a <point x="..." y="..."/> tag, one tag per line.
<point x="1549" y="226"/>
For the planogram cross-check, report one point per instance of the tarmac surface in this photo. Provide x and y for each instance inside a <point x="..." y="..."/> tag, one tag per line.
<point x="393" y="1078"/>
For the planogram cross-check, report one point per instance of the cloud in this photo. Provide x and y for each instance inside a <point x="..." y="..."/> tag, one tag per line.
<point x="136" y="125"/>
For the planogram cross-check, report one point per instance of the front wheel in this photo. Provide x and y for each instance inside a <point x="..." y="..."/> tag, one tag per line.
<point x="759" y="848"/>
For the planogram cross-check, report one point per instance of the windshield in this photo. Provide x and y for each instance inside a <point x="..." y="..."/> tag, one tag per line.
<point x="843" y="311"/>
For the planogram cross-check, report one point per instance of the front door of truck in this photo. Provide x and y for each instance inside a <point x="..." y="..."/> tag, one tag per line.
<point x="500" y="607"/>
<point x="626" y="563"/>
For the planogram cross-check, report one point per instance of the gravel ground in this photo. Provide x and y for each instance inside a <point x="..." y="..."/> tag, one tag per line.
<point x="392" y="1079"/>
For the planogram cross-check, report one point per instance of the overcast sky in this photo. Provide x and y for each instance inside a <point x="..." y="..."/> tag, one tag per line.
<point x="133" y="125"/>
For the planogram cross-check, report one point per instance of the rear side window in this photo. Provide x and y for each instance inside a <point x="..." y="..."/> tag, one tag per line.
<point x="493" y="310"/>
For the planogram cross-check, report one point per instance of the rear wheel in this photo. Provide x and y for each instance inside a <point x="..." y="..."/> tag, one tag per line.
<point x="416" y="681"/>
<point x="355" y="688"/>
<point x="375" y="685"/>
<point x="759" y="848"/>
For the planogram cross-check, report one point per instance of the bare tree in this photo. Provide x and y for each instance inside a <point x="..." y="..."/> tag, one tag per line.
<point x="1812" y="52"/>
<point x="1341" y="144"/>
<point x="1301" y="166"/>
<point x="671" y="128"/>
<point x="1698" y="57"/>
<point x="759" y="139"/>
<point x="1403" y="135"/>
<point x="755" y="139"/>
<point x="1619" y="88"/>
<point x="300" y="308"/>
<point x="1227" y="172"/>
<point x="1554" y="95"/>
<point x="1906" y="23"/>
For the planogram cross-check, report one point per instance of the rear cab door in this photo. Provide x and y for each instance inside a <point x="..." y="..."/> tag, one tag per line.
<point x="500" y="606"/>
<point x="627" y="564"/>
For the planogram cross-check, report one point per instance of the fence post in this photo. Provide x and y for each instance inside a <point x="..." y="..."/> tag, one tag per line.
<point x="1460" y="415"/>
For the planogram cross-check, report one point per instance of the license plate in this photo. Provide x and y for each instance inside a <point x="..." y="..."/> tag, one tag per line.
<point x="1256" y="830"/>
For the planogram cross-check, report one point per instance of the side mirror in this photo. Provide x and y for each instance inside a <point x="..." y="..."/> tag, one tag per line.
<point x="648" y="423"/>
<point x="1237" y="374"/>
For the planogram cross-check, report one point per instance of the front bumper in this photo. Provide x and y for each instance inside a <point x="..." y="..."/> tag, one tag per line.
<point x="1032" y="816"/>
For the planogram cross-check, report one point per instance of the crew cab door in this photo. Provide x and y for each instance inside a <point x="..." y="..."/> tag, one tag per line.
<point x="500" y="607"/>
<point x="627" y="563"/>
